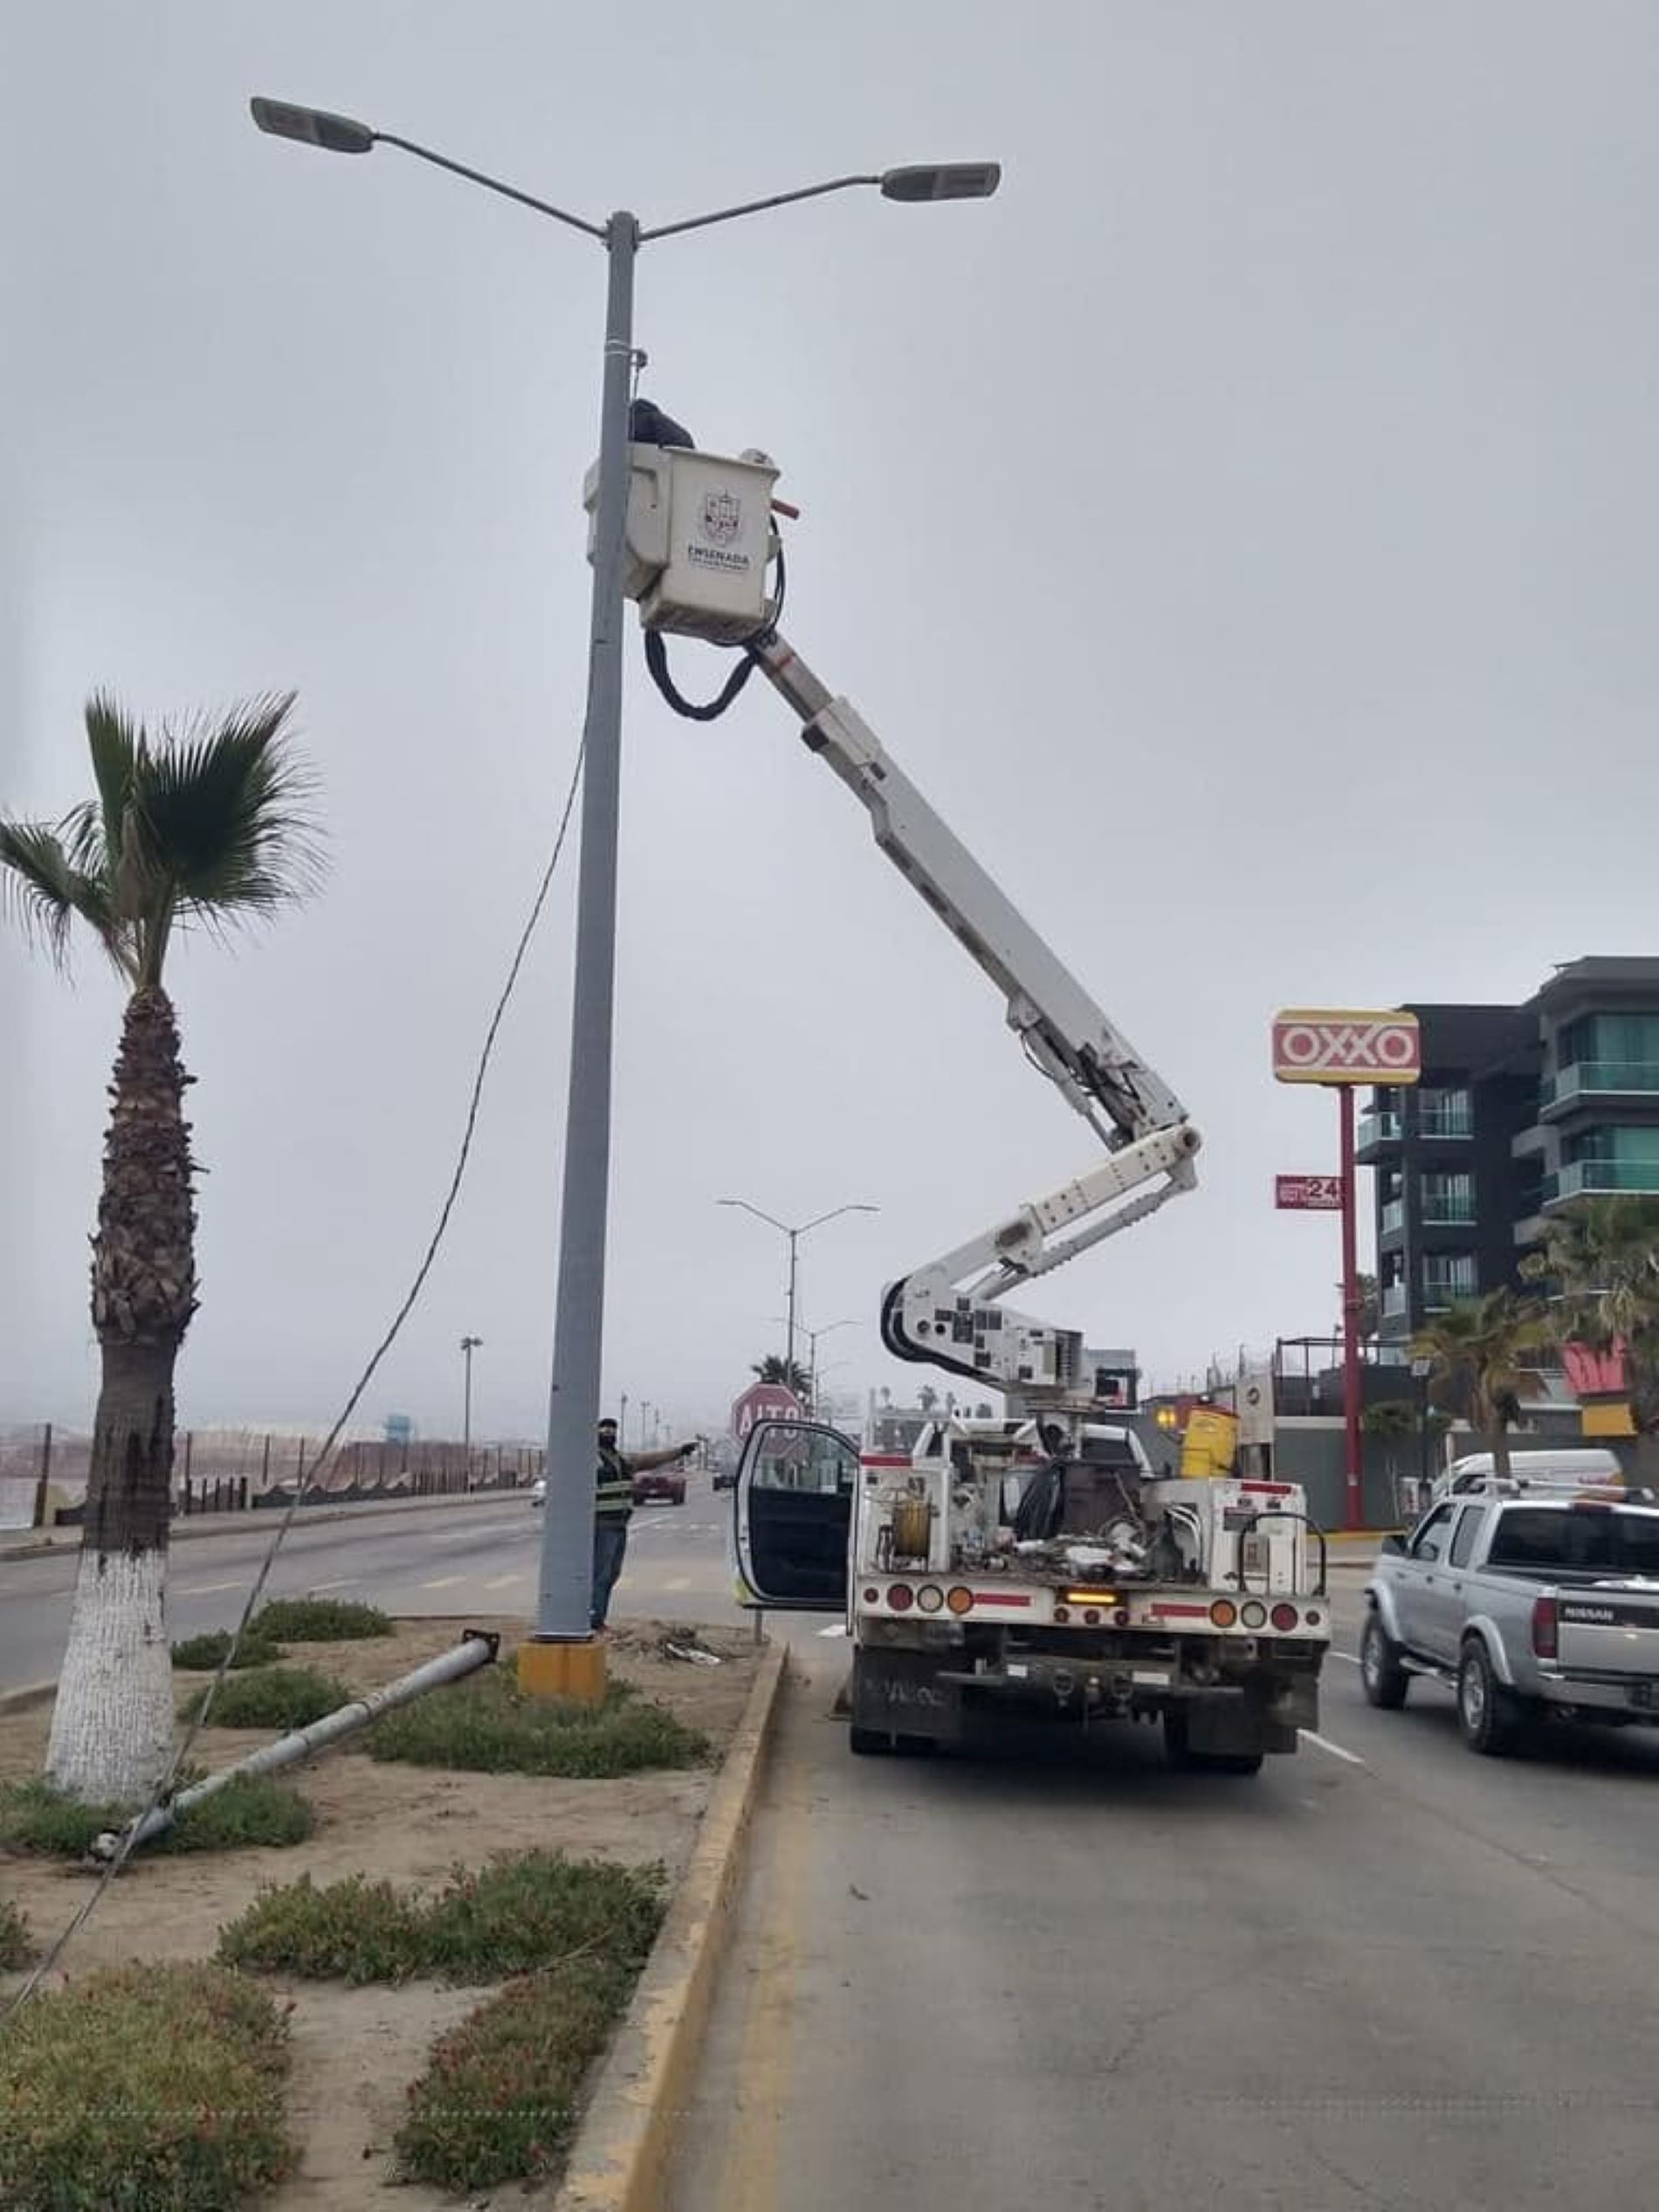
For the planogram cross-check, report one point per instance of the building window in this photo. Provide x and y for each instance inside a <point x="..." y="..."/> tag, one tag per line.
<point x="1612" y="1040"/>
<point x="1447" y="1278"/>
<point x="1444" y="1112"/>
<point x="1449" y="1197"/>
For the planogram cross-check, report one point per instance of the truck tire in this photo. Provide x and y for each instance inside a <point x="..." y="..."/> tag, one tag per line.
<point x="1487" y="1716"/>
<point x="869" y="1743"/>
<point x="1384" y="1680"/>
<point x="1179" y="1752"/>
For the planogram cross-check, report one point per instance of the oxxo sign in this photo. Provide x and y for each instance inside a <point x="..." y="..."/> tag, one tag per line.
<point x="1323" y="1044"/>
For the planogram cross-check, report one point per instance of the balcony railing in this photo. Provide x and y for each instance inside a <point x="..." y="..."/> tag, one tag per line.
<point x="1634" y="1078"/>
<point x="1445" y="1121"/>
<point x="1393" y="1216"/>
<point x="1377" y="1128"/>
<point x="1441" y="1290"/>
<point x="1580" y="1177"/>
<point x="1448" y="1213"/>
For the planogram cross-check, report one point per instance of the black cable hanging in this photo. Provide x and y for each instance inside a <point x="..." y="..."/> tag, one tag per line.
<point x="711" y="710"/>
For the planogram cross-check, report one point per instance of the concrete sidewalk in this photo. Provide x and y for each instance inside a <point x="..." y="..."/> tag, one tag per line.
<point x="38" y="1543"/>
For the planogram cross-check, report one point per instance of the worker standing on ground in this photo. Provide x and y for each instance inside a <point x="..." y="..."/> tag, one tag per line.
<point x="614" y="1507"/>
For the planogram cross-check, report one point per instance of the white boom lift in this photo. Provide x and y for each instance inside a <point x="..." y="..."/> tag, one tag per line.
<point x="700" y="542"/>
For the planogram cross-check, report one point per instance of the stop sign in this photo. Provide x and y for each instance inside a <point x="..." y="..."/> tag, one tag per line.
<point x="764" y="1401"/>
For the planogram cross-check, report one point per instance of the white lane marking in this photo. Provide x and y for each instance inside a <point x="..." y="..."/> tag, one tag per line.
<point x="1346" y="1657"/>
<point x="339" y="1583"/>
<point x="206" y="1589"/>
<point x="677" y="1583"/>
<point x="506" y="1581"/>
<point x="477" y="1528"/>
<point x="836" y="1627"/>
<point x="443" y="1582"/>
<point x="1352" y="1758"/>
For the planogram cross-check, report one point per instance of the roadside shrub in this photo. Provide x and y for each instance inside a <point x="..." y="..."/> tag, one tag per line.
<point x="319" y="1620"/>
<point x="202" y="1654"/>
<point x="354" y="1931"/>
<point x="16" y="1949"/>
<point x="144" y="2088"/>
<point x="500" y="2097"/>
<point x="486" y="1725"/>
<point x="254" y="1809"/>
<point x="522" y="1911"/>
<point x="278" y="1697"/>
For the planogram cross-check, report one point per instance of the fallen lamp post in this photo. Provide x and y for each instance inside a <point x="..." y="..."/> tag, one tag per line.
<point x="477" y="1648"/>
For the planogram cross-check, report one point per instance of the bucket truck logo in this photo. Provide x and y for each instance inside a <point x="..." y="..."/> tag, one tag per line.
<point x="1342" y="1046"/>
<point x="719" y="520"/>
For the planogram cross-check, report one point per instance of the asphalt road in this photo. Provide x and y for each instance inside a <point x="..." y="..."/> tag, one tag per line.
<point x="1386" y="1974"/>
<point x="443" y="1560"/>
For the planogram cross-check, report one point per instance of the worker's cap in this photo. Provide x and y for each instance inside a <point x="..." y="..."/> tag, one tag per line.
<point x="607" y="1423"/>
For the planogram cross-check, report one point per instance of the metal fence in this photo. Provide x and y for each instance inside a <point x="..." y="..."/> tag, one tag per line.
<point x="44" y="1472"/>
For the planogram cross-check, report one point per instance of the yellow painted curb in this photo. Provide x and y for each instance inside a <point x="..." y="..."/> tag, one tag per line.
<point x="619" y="2160"/>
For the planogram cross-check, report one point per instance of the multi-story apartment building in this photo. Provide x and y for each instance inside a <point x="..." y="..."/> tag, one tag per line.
<point x="1520" y="1108"/>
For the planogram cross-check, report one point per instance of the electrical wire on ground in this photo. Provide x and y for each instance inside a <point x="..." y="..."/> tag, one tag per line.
<point x="168" y="1785"/>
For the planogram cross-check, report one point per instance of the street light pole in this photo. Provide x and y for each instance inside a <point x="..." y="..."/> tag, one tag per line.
<point x="794" y="1235"/>
<point x="469" y="1346"/>
<point x="563" y="1657"/>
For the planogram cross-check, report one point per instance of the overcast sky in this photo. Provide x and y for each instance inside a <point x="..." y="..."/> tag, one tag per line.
<point x="1243" y="528"/>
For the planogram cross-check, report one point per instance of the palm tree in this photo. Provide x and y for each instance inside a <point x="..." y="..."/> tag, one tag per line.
<point x="1477" y="1348"/>
<point x="202" y="827"/>
<point x="1601" y="1254"/>
<point x="791" y="1374"/>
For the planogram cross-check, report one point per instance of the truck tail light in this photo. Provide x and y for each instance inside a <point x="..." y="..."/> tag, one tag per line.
<point x="901" y="1597"/>
<point x="1546" y="1628"/>
<point x="1285" y="1618"/>
<point x="1223" y="1613"/>
<point x="960" y="1600"/>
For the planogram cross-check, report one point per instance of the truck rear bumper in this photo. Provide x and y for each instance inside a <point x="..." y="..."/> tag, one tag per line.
<point x="1634" y="1698"/>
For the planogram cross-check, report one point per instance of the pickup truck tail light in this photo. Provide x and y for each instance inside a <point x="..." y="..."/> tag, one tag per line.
<point x="1546" y="1637"/>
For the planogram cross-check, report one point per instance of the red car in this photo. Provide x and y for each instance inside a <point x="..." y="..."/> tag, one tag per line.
<point x="664" y="1485"/>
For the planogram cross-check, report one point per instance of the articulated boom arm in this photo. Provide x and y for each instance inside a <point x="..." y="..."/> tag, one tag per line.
<point x="945" y="1313"/>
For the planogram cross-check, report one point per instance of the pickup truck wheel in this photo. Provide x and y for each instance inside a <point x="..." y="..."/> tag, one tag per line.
<point x="869" y="1743"/>
<point x="1384" y="1681"/>
<point x="1485" y="1710"/>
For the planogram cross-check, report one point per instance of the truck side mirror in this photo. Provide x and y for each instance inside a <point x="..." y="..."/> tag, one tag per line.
<point x="1394" y="1545"/>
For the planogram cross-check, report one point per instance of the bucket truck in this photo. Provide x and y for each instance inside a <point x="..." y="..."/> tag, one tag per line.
<point x="1033" y="1564"/>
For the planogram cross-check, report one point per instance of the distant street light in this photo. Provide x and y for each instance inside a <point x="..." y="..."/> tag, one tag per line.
<point x="795" y="1235"/>
<point x="812" y="1336"/>
<point x="564" y="1592"/>
<point x="469" y="1346"/>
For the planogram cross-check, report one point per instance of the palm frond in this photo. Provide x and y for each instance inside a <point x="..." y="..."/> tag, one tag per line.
<point x="43" y="886"/>
<point x="114" y="744"/>
<point x="225" y="814"/>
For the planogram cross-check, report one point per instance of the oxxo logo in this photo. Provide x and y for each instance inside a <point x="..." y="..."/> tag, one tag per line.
<point x="1342" y="1046"/>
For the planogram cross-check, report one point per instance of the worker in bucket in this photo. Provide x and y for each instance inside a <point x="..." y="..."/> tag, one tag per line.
<point x="614" y="1507"/>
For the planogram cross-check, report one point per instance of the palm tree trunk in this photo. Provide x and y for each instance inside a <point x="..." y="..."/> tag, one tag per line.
<point x="112" y="1728"/>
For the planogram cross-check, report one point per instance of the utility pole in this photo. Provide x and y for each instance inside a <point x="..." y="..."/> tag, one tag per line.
<point x="469" y="1346"/>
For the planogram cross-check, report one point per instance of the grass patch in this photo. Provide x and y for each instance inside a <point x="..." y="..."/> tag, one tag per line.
<point x="523" y="1911"/>
<point x="255" y="1808"/>
<point x="202" y="1654"/>
<point x="500" y="2094"/>
<point x="144" y="2088"/>
<point x="271" y="1698"/>
<point x="319" y="1620"/>
<point x="487" y="1725"/>
<point x="17" y="1947"/>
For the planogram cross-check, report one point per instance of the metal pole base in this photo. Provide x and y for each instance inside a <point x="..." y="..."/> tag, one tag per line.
<point x="551" y="1667"/>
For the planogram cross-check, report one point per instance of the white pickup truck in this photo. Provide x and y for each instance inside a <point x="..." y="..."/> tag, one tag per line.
<point x="1529" y="1604"/>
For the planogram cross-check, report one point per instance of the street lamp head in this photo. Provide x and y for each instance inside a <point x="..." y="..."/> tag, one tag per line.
<point x="942" y="181"/>
<point x="312" y="127"/>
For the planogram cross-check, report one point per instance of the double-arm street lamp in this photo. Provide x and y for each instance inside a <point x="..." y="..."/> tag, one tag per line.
<point x="794" y="1235"/>
<point x="469" y="1346"/>
<point x="812" y="1336"/>
<point x="563" y="1605"/>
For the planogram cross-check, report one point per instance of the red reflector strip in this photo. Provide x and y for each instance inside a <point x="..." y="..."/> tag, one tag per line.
<point x="1172" y="1612"/>
<point x="1002" y="1597"/>
<point x="1269" y="1489"/>
<point x="883" y="1459"/>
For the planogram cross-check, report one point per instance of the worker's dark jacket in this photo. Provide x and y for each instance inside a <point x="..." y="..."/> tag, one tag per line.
<point x="613" y="1495"/>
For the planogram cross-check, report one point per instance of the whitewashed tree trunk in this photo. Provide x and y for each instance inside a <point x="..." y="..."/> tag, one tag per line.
<point x="111" y="1727"/>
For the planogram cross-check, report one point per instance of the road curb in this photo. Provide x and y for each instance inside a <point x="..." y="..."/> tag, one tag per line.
<point x="182" y="1531"/>
<point x="619" y="2160"/>
<point x="27" y="1694"/>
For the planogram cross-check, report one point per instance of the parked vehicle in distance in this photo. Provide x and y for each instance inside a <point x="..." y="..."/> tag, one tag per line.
<point x="1531" y="1603"/>
<point x="1581" y="1467"/>
<point x="666" y="1485"/>
<point x="539" y="1490"/>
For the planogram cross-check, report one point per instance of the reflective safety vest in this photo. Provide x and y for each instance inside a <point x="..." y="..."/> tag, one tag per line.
<point x="614" y="1490"/>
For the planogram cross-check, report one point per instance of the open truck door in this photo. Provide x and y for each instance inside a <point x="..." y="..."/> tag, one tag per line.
<point x="793" y="1506"/>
